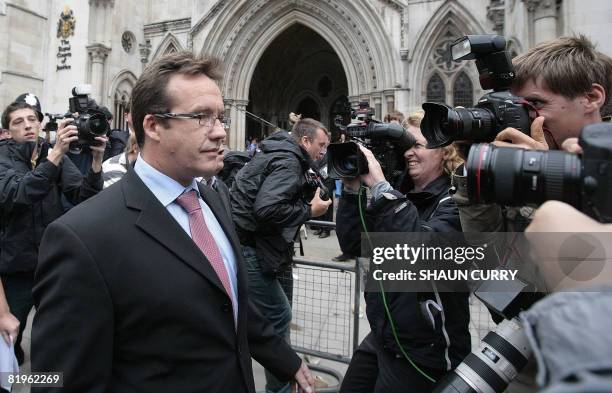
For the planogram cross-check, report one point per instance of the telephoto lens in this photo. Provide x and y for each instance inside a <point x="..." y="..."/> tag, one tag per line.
<point x="494" y="112"/>
<point x="517" y="177"/>
<point x="489" y="369"/>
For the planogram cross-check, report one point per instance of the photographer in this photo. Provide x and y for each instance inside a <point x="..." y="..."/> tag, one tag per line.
<point x="423" y="205"/>
<point x="562" y="84"/>
<point x="33" y="177"/>
<point x="567" y="82"/>
<point x="270" y="200"/>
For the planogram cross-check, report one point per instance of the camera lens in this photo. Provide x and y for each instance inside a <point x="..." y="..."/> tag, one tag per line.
<point x="345" y="160"/>
<point x="443" y="124"/>
<point x="517" y="177"/>
<point x="97" y="125"/>
<point x="347" y="166"/>
<point x="501" y="354"/>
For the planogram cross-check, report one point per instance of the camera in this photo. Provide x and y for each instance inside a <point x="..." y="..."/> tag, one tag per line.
<point x="387" y="141"/>
<point x="517" y="177"/>
<point x="90" y="121"/>
<point x="503" y="352"/>
<point x="494" y="112"/>
<point x="52" y="122"/>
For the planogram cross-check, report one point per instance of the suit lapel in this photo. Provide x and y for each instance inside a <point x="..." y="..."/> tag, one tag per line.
<point x="158" y="223"/>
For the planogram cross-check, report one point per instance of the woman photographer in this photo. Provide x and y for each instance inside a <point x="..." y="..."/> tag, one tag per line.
<point x="403" y="353"/>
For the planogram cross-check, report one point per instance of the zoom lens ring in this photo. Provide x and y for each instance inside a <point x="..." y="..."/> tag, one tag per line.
<point x="485" y="372"/>
<point x="501" y="345"/>
<point x="553" y="172"/>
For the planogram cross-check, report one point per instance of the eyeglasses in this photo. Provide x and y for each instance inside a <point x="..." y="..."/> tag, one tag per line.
<point x="205" y="120"/>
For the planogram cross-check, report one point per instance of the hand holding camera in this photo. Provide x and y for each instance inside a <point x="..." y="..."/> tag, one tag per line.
<point x="318" y="206"/>
<point x="537" y="140"/>
<point x="67" y="133"/>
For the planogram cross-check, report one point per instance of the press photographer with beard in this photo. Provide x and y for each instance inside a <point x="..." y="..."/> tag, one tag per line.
<point x="379" y="365"/>
<point x="33" y="178"/>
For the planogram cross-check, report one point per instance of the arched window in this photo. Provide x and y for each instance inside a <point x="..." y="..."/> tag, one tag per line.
<point x="435" y="89"/>
<point x="121" y="102"/>
<point x="463" y="93"/>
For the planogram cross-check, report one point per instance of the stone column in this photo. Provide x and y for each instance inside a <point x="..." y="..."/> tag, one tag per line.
<point x="237" y="131"/>
<point x="97" y="55"/>
<point x="544" y="14"/>
<point x="390" y="100"/>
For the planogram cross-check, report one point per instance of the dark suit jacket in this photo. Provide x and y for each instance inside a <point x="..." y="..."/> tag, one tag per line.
<point x="126" y="302"/>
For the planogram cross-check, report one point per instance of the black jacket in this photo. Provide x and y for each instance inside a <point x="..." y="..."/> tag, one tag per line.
<point x="429" y="210"/>
<point x="269" y="200"/>
<point x="30" y="199"/>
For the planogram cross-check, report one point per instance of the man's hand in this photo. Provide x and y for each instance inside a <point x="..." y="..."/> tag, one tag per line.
<point x="375" y="174"/>
<point x="66" y="134"/>
<point x="555" y="216"/>
<point x="9" y="327"/>
<point x="562" y="261"/>
<point x="97" y="152"/>
<point x="304" y="380"/>
<point x="571" y="145"/>
<point x="537" y="141"/>
<point x="318" y="207"/>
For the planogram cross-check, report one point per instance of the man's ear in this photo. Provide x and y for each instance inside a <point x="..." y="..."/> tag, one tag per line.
<point x="595" y="97"/>
<point x="151" y="127"/>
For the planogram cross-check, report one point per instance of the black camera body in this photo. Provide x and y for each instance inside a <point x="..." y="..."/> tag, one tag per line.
<point x="52" y="122"/>
<point x="517" y="177"/>
<point x="494" y="112"/>
<point x="90" y="121"/>
<point x="387" y="141"/>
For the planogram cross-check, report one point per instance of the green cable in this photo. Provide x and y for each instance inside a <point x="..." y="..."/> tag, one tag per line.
<point x="384" y="298"/>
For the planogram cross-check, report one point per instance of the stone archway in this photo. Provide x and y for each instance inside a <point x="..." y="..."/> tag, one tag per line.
<point x="299" y="72"/>
<point x="243" y="30"/>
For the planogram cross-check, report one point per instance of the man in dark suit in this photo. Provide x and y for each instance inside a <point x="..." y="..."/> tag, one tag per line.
<point x="143" y="289"/>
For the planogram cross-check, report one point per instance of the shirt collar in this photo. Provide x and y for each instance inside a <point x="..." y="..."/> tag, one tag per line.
<point x="165" y="189"/>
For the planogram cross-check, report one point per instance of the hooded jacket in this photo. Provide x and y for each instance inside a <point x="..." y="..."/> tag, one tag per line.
<point x="269" y="199"/>
<point x="31" y="198"/>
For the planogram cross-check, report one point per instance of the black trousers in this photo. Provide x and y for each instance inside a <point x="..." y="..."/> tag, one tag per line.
<point x="18" y="291"/>
<point x="373" y="369"/>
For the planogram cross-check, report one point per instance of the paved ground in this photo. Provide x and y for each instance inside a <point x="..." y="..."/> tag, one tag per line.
<point x="326" y="313"/>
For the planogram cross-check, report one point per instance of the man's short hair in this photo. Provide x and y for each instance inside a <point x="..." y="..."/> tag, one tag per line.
<point x="15" y="106"/>
<point x="307" y="127"/>
<point x="568" y="66"/>
<point x="150" y="92"/>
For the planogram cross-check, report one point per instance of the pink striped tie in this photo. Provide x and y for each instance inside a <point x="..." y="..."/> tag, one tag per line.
<point x="203" y="238"/>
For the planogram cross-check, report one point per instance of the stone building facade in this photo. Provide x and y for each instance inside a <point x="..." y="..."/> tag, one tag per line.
<point x="315" y="57"/>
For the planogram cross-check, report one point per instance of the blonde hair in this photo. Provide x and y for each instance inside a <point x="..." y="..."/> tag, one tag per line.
<point x="451" y="159"/>
<point x="294" y="118"/>
<point x="395" y="115"/>
<point x="414" y="119"/>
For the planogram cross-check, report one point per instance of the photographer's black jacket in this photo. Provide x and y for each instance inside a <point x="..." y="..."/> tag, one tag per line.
<point x="429" y="210"/>
<point x="269" y="202"/>
<point x="30" y="199"/>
